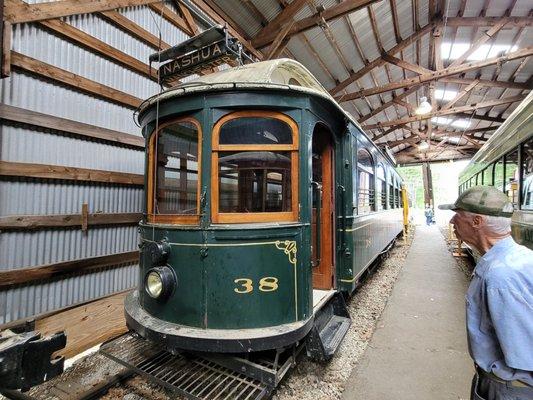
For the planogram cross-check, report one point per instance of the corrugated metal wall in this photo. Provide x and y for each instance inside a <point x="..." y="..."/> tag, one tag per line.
<point x="21" y="143"/>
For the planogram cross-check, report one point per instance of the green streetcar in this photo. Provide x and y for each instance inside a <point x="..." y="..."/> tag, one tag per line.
<point x="506" y="162"/>
<point x="266" y="204"/>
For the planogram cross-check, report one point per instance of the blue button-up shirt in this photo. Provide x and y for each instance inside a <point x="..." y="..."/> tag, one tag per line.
<point x="499" y="312"/>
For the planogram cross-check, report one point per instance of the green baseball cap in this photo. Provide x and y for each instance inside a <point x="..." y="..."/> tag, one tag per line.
<point x="485" y="200"/>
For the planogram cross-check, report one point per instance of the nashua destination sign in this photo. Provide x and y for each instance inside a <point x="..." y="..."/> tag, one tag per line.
<point x="207" y="57"/>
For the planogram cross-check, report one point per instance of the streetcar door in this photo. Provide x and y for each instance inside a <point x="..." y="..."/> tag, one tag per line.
<point x="322" y="223"/>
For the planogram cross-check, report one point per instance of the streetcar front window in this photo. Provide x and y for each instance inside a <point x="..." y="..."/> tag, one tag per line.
<point x="255" y="168"/>
<point x="173" y="176"/>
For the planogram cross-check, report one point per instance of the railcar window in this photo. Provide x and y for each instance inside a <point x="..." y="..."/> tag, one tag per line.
<point x="391" y="191"/>
<point x="173" y="181"/>
<point x="498" y="174"/>
<point x="527" y="175"/>
<point x="365" y="182"/>
<point x="381" y="191"/>
<point x="255" y="168"/>
<point x="487" y="177"/>
<point x="511" y="177"/>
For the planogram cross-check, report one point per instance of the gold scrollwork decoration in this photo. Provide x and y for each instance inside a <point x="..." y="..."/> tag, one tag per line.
<point x="289" y="248"/>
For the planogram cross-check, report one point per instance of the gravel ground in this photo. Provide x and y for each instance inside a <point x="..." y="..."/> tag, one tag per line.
<point x="308" y="380"/>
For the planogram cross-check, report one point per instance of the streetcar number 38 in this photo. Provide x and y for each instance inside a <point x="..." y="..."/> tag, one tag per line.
<point x="246" y="285"/>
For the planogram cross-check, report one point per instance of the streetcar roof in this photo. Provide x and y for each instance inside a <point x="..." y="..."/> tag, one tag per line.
<point x="279" y="74"/>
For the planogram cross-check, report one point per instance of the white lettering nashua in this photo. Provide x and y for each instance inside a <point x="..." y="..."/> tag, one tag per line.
<point x="193" y="63"/>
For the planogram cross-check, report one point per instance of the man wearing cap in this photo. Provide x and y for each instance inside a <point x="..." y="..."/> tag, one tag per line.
<point x="499" y="301"/>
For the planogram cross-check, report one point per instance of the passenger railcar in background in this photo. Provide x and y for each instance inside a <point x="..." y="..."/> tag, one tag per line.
<point x="506" y="162"/>
<point x="265" y="200"/>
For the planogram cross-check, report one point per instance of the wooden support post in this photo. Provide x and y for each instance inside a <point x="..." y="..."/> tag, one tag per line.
<point x="428" y="184"/>
<point x="84" y="217"/>
<point x="5" y="51"/>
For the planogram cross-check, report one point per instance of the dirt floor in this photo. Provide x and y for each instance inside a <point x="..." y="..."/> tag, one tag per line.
<point x="308" y="380"/>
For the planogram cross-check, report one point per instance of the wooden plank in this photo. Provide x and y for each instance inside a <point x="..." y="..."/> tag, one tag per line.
<point x="279" y="42"/>
<point x="84" y="217"/>
<point x="87" y="325"/>
<point x="30" y="222"/>
<point x="281" y="20"/>
<point x="18" y="12"/>
<point x="26" y="275"/>
<point x="512" y="22"/>
<point x="460" y="95"/>
<point x="21" y="115"/>
<point x="5" y="46"/>
<point x="116" y="18"/>
<point x="161" y="10"/>
<point x="85" y="40"/>
<point x="524" y="52"/>
<point x="70" y="79"/>
<point x="45" y="171"/>
<point x="405" y="64"/>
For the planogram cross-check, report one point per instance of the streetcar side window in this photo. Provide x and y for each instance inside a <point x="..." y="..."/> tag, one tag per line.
<point x="511" y="177"/>
<point x="391" y="191"/>
<point x="255" y="168"/>
<point x="487" y="177"/>
<point x="527" y="175"/>
<point x="381" y="190"/>
<point x="498" y="174"/>
<point x="173" y="175"/>
<point x="365" y="181"/>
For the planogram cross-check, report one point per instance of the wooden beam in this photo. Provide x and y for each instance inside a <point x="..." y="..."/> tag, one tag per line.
<point x="279" y="42"/>
<point x="461" y="109"/>
<point x="87" y="325"/>
<point x="344" y="8"/>
<point x="45" y="171"/>
<point x="485" y="37"/>
<point x="220" y="20"/>
<point x="31" y="222"/>
<point x="20" y="115"/>
<point x="389" y="103"/>
<point x="280" y="21"/>
<point x="67" y="78"/>
<point x="26" y="275"/>
<point x="380" y="60"/>
<point x="83" y="39"/>
<point x="160" y="9"/>
<point x="6" y="33"/>
<point x="406" y="65"/>
<point x="18" y="12"/>
<point x="479" y="22"/>
<point x="460" y="95"/>
<point x="116" y="18"/>
<point x="524" y="52"/>
<point x="488" y="83"/>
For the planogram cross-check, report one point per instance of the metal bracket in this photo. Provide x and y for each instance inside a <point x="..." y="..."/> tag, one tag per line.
<point x="25" y="359"/>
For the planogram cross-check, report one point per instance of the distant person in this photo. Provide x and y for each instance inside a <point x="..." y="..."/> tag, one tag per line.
<point x="428" y="212"/>
<point x="499" y="301"/>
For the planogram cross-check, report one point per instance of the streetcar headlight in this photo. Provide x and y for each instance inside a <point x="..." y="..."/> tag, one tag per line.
<point x="159" y="282"/>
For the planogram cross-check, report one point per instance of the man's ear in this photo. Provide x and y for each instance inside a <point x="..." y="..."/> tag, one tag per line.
<point x="477" y="221"/>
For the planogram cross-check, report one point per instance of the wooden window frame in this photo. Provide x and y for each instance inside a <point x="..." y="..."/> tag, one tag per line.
<point x="178" y="219"/>
<point x="235" y="218"/>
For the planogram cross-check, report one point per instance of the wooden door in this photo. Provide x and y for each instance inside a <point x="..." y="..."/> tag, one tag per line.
<point x="323" y="229"/>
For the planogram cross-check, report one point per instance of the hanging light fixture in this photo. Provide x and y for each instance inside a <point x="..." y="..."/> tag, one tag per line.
<point x="423" y="145"/>
<point x="424" y="107"/>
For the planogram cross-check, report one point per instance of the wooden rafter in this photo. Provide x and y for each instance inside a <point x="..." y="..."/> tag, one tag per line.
<point x="460" y="95"/>
<point x="524" y="52"/>
<point x="18" y="12"/>
<point x="380" y="60"/>
<point x="279" y="22"/>
<point x="331" y="13"/>
<point x="454" y="110"/>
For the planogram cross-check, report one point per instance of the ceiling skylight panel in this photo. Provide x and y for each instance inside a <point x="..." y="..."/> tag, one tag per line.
<point x="446" y="95"/>
<point x="453" y="52"/>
